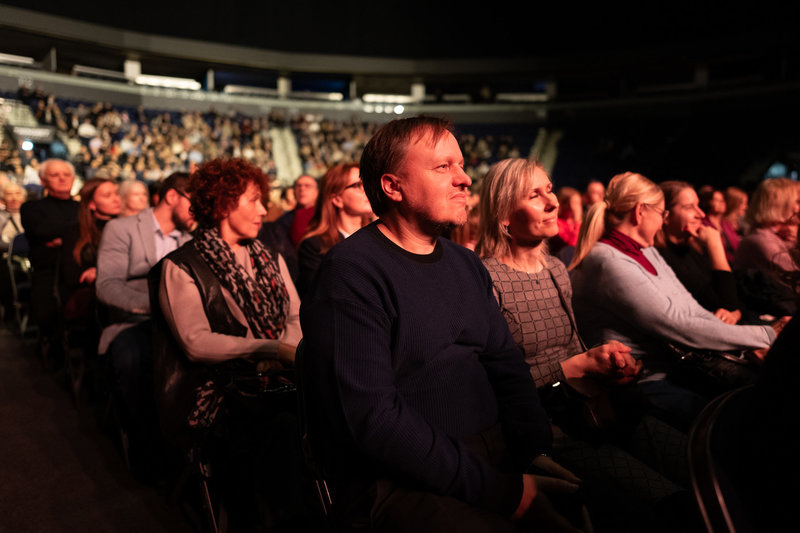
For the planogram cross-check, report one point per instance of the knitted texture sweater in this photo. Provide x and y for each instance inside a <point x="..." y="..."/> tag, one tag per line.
<point x="408" y="357"/>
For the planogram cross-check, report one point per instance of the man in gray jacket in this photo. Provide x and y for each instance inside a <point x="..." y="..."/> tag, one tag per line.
<point x="129" y="248"/>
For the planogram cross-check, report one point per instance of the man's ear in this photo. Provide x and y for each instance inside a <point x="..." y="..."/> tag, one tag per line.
<point x="171" y="197"/>
<point x="390" y="184"/>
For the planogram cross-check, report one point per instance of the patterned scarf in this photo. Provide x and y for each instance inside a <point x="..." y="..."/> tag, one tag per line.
<point x="263" y="300"/>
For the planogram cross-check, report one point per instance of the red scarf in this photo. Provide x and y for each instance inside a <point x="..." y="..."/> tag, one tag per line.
<point x="629" y="247"/>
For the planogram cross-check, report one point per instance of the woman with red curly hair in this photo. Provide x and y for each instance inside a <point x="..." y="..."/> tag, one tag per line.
<point x="232" y="308"/>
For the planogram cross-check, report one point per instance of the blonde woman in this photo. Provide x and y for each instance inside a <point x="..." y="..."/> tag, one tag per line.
<point x="135" y="197"/>
<point x="518" y="211"/>
<point x="771" y="243"/>
<point x="625" y="290"/>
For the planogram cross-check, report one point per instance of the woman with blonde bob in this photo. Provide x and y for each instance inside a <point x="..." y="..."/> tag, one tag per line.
<point x="771" y="243"/>
<point x="625" y="290"/>
<point x="342" y="209"/>
<point x="518" y="214"/>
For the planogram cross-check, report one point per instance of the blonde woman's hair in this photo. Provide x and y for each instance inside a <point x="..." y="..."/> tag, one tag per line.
<point x="624" y="191"/>
<point x="772" y="202"/>
<point x="506" y="182"/>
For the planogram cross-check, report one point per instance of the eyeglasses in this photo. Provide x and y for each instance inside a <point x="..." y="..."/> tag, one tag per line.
<point x="662" y="212"/>
<point x="355" y="185"/>
<point x="183" y="194"/>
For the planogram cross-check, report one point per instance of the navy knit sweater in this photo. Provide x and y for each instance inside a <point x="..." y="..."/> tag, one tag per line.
<point x="408" y="356"/>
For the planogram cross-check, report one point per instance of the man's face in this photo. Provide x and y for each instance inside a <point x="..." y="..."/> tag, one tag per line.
<point x="181" y="216"/>
<point x="305" y="191"/>
<point x="58" y="179"/>
<point x="433" y="183"/>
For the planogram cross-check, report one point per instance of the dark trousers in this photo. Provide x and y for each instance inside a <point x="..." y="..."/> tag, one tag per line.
<point x="44" y="304"/>
<point x="131" y="355"/>
<point x="396" y="508"/>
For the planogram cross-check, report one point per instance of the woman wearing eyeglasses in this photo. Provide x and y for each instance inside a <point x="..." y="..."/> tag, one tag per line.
<point x="624" y="290"/>
<point x="342" y="209"/>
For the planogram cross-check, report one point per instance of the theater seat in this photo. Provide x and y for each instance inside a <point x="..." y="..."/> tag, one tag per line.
<point x="19" y="269"/>
<point x="720" y="461"/>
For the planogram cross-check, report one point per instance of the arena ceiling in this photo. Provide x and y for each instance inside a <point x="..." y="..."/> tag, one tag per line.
<point x="434" y="29"/>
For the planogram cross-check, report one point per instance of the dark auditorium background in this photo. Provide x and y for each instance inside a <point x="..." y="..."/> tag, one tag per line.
<point x="701" y="91"/>
<point x="704" y="92"/>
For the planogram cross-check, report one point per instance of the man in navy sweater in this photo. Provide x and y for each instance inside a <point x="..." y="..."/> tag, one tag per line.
<point x="429" y="413"/>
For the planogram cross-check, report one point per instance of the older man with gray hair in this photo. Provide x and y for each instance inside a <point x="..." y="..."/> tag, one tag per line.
<point x="46" y="222"/>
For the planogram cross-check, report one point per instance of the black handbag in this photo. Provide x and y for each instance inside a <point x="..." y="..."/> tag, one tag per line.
<point x="710" y="371"/>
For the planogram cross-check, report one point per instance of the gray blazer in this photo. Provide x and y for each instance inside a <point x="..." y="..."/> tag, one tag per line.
<point x="126" y="254"/>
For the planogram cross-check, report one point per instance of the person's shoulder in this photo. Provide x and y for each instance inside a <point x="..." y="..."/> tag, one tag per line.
<point x="311" y="244"/>
<point x="363" y="243"/>
<point x="556" y="265"/>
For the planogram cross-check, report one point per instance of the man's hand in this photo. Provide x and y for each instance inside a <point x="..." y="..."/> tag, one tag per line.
<point x="535" y="509"/>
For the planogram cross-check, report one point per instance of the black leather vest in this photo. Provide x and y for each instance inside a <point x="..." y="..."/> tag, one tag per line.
<point x="219" y="315"/>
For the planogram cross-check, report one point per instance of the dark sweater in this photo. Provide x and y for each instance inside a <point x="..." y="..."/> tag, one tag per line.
<point x="408" y="358"/>
<point x="713" y="289"/>
<point x="43" y="221"/>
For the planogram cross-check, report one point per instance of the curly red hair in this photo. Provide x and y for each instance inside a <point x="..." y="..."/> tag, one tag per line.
<point x="217" y="185"/>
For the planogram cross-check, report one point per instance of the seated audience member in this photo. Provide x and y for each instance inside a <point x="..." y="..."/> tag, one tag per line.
<point x="99" y="203"/>
<point x="427" y="411"/>
<point x="46" y="222"/>
<point x="10" y="218"/>
<point x="10" y="225"/>
<point x="570" y="215"/>
<point x="771" y="241"/>
<point x="712" y="202"/>
<point x="231" y="304"/>
<point x="467" y="235"/>
<point x="135" y="197"/>
<point x="594" y="192"/>
<point x="517" y="218"/>
<point x="696" y="253"/>
<point x="295" y="222"/>
<point x="129" y="248"/>
<point x="736" y="208"/>
<point x="342" y="209"/>
<point x="625" y="291"/>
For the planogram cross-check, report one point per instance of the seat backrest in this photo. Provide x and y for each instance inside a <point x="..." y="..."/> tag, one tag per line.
<point x="172" y="373"/>
<point x="309" y="439"/>
<point x="19" y="245"/>
<point x="720" y="459"/>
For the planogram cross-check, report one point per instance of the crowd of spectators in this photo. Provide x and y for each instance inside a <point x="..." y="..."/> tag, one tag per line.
<point x="125" y="143"/>
<point x="643" y="264"/>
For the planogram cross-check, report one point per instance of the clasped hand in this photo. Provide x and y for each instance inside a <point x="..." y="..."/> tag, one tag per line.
<point x="611" y="361"/>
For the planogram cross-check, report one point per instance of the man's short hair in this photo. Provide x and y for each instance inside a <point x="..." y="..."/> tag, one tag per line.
<point x="386" y="150"/>
<point x="177" y="180"/>
<point x="47" y="162"/>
